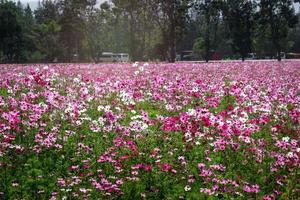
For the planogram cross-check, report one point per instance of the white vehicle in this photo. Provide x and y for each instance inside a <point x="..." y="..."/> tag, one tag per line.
<point x="121" y="57"/>
<point x="251" y="56"/>
<point x="114" y="57"/>
<point x="107" y="57"/>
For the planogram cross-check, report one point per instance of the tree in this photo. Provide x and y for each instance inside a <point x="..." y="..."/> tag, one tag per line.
<point x="240" y="17"/>
<point x="135" y="11"/>
<point x="47" y="40"/>
<point x="27" y="21"/>
<point x="144" y="35"/>
<point x="279" y="16"/>
<point x="295" y="37"/>
<point x="73" y="15"/>
<point x="47" y="30"/>
<point x="262" y="44"/>
<point x="97" y="30"/>
<point x="47" y="10"/>
<point x="210" y="10"/>
<point x="191" y="34"/>
<point x="171" y="17"/>
<point x="10" y="32"/>
<point x="199" y="46"/>
<point x="107" y="29"/>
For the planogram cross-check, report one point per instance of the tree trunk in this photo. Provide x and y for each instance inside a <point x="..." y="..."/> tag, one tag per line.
<point x="172" y="37"/>
<point x="132" y="45"/>
<point x="278" y="48"/>
<point x="172" y="46"/>
<point x="207" y="39"/>
<point x="279" y="55"/>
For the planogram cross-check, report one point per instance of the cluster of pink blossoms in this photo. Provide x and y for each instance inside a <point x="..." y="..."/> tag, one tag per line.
<point x="220" y="129"/>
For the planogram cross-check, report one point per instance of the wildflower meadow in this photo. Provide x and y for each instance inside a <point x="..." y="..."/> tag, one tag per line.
<point x="223" y="130"/>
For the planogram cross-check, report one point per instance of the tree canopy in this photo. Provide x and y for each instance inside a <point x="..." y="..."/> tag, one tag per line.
<point x="72" y="30"/>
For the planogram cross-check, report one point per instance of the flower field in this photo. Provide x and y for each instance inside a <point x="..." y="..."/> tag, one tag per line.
<point x="150" y="131"/>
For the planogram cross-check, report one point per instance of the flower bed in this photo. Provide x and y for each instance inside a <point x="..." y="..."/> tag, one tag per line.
<point x="150" y="131"/>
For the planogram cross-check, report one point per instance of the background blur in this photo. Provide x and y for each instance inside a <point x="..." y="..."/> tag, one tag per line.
<point x="157" y="30"/>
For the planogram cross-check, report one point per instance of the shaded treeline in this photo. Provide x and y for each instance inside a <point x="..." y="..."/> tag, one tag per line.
<point x="73" y="30"/>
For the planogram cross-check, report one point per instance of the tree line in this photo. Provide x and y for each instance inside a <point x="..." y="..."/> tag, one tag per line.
<point x="73" y="30"/>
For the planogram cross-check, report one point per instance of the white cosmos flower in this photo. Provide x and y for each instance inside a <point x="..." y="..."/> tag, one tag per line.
<point x="100" y="108"/>
<point x="46" y="67"/>
<point x="107" y="108"/>
<point x="141" y="69"/>
<point x="187" y="188"/>
<point x="290" y="154"/>
<point x="191" y="112"/>
<point x="136" y="64"/>
<point x="285" y="139"/>
<point x="195" y="89"/>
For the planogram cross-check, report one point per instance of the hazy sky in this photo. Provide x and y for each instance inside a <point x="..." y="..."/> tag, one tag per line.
<point x="33" y="3"/>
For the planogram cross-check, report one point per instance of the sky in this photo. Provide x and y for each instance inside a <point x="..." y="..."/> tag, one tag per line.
<point x="33" y="4"/>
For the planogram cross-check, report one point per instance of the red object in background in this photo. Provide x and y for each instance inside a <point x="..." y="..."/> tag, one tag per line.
<point x="215" y="56"/>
